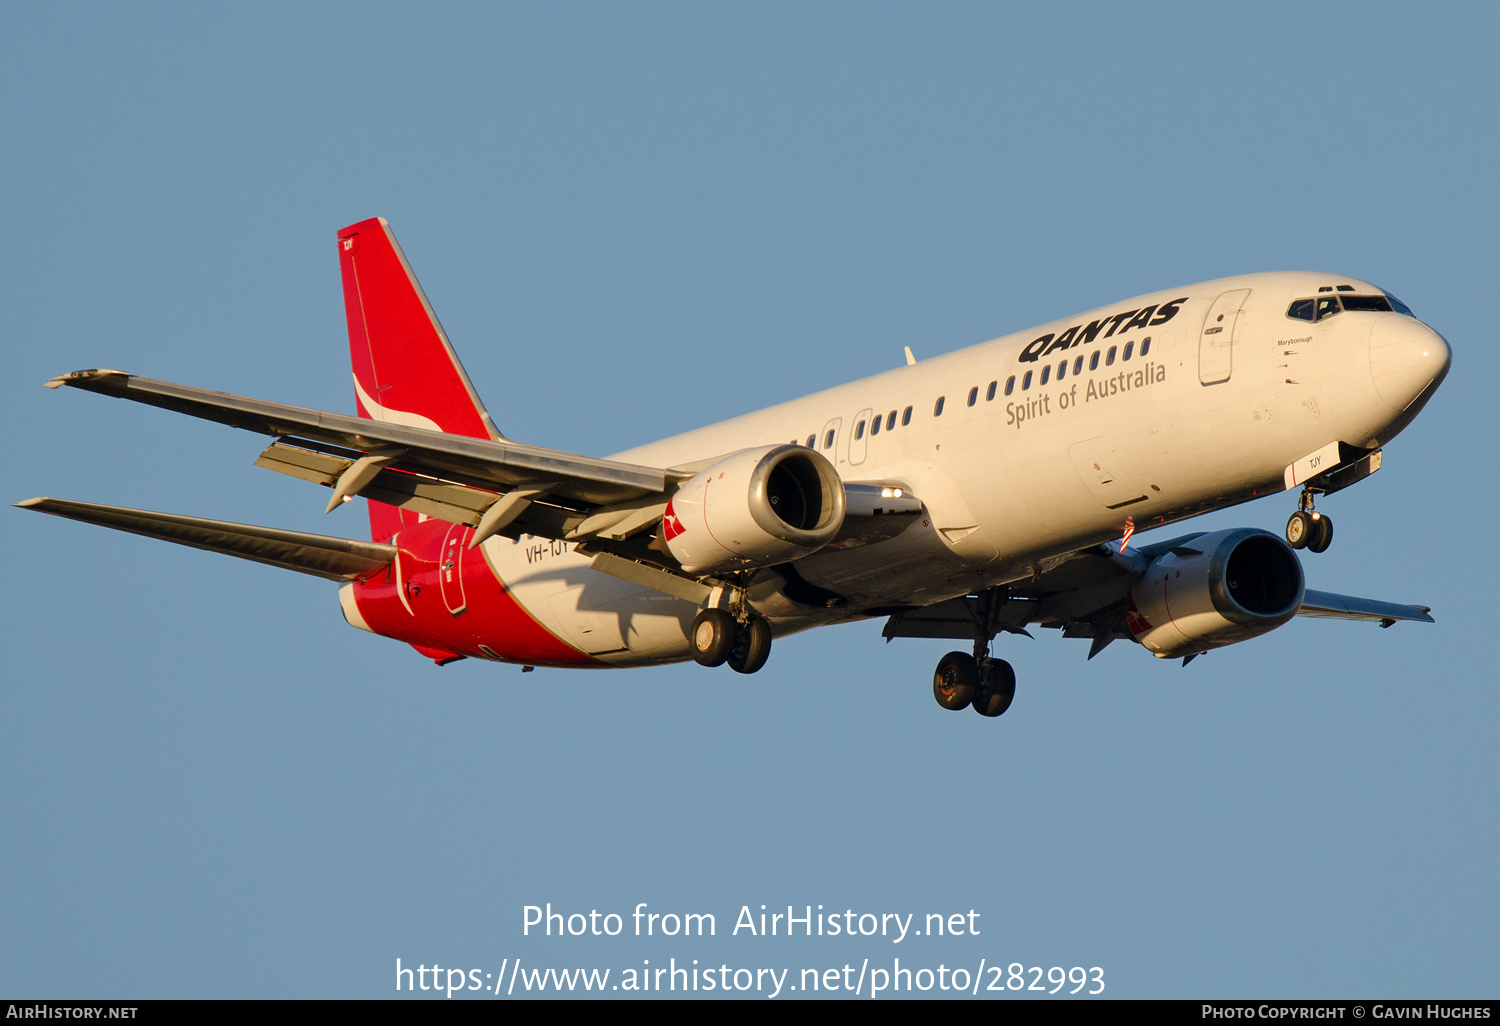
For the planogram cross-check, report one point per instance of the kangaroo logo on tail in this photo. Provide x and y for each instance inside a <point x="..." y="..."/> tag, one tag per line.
<point x="405" y="369"/>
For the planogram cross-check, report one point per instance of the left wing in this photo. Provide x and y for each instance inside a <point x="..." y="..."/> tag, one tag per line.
<point x="474" y="461"/>
<point x="492" y="485"/>
<point x="447" y="476"/>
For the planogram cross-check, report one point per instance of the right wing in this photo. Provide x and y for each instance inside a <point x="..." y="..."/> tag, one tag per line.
<point x="334" y="559"/>
<point x="1330" y="606"/>
<point x="1083" y="594"/>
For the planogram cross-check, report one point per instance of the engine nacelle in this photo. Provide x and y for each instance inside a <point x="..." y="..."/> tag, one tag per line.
<point x="1239" y="585"/>
<point x="758" y="507"/>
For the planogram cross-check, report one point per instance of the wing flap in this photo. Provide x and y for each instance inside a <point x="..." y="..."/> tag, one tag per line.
<point x="334" y="559"/>
<point x="455" y="503"/>
<point x="1329" y="605"/>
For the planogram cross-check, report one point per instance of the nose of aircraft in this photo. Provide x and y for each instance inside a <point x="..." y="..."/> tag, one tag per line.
<point x="1406" y="357"/>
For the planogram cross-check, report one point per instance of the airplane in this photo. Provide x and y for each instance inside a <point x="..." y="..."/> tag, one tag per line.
<point x="960" y="497"/>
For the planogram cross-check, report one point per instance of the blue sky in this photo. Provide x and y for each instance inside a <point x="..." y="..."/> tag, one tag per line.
<point x="635" y="219"/>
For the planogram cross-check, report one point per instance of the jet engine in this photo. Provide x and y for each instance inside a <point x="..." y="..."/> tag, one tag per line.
<point x="755" y="508"/>
<point x="1215" y="590"/>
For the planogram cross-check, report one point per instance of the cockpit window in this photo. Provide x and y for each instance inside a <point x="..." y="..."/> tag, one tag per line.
<point x="1399" y="306"/>
<point x="1367" y="303"/>
<point x="1326" y="306"/>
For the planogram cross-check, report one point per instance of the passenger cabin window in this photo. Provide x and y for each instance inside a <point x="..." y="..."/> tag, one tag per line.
<point x="1026" y="381"/>
<point x="906" y="416"/>
<point x="1062" y="370"/>
<point x="1078" y="366"/>
<point x="859" y="431"/>
<point x="1109" y="358"/>
<point x="1145" y="345"/>
<point x="1094" y="361"/>
<point x="828" y="440"/>
<point x="1327" y="307"/>
<point x="1128" y="347"/>
<point x="1010" y="384"/>
<point x="1046" y="373"/>
<point x="989" y="393"/>
<point x="890" y="422"/>
<point x="937" y="407"/>
<point x="973" y="395"/>
<point x="875" y="425"/>
<point x="810" y="440"/>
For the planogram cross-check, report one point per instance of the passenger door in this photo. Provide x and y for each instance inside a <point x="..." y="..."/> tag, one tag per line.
<point x="451" y="569"/>
<point x="1220" y="332"/>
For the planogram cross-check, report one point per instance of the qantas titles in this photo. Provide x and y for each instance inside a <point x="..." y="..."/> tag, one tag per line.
<point x="1080" y="334"/>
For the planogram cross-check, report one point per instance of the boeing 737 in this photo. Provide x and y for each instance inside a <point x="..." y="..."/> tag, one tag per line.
<point x="963" y="496"/>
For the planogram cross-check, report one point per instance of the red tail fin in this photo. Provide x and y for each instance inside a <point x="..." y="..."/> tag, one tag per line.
<point x="405" y="370"/>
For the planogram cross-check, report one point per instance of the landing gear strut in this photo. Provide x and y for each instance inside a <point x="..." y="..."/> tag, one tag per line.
<point x="1308" y="528"/>
<point x="985" y="684"/>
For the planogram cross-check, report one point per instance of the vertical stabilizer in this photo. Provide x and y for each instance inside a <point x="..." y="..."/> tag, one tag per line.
<point x="405" y="369"/>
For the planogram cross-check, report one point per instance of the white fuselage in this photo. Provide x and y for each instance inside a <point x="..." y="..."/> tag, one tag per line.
<point x="1015" y="479"/>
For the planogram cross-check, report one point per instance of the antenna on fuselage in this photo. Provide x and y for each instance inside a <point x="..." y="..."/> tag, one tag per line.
<point x="910" y="359"/>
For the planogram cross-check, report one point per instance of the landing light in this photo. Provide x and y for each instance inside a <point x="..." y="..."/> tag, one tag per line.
<point x="890" y="493"/>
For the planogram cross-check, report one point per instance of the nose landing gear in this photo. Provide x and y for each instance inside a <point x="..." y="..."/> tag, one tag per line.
<point x="1308" y="528"/>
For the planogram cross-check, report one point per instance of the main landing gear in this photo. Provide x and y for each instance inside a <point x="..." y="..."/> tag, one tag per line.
<point x="718" y="638"/>
<point x="1309" y="529"/>
<point x="986" y="685"/>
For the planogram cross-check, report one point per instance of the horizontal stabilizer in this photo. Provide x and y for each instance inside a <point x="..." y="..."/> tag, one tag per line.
<point x="336" y="559"/>
<point x="1347" y="607"/>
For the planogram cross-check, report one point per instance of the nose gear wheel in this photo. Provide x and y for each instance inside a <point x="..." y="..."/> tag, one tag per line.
<point x="1308" y="528"/>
